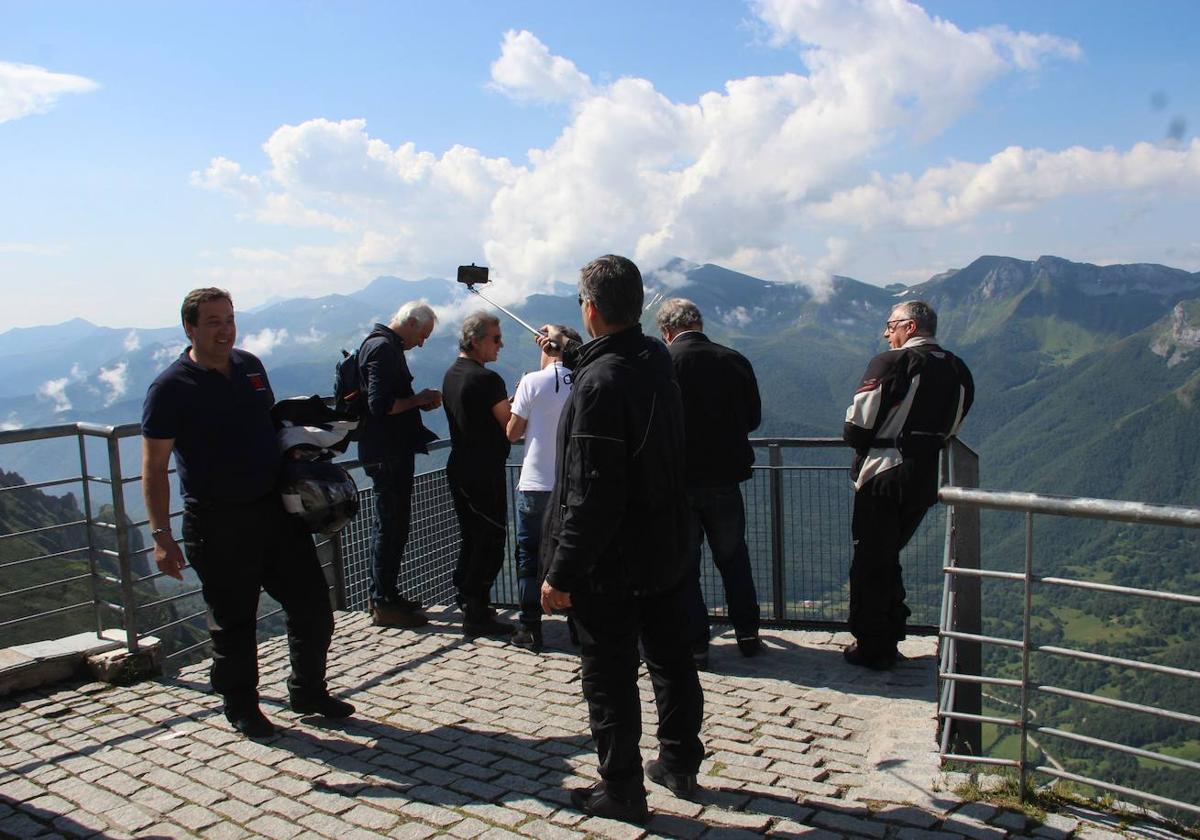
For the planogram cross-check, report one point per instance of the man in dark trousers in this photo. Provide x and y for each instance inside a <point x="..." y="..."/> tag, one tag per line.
<point x="721" y="407"/>
<point x="212" y="408"/>
<point x="478" y="409"/>
<point x="616" y="536"/>
<point x="912" y="398"/>
<point x="390" y="436"/>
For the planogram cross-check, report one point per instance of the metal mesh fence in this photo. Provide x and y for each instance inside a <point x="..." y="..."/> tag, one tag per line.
<point x="815" y="530"/>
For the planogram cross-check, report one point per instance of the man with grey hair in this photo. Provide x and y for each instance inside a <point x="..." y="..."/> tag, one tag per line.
<point x="477" y="408"/>
<point x="912" y="398"/>
<point x="614" y="546"/>
<point x="391" y="433"/>
<point x="721" y="407"/>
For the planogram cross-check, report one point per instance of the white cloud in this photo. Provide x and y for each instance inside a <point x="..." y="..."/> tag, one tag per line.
<point x="738" y="317"/>
<point x="1015" y="179"/>
<point x="27" y="89"/>
<point x="168" y="353"/>
<point x="116" y="380"/>
<point x="264" y="341"/>
<point x="11" y="423"/>
<point x="313" y="336"/>
<point x="527" y="70"/>
<point x="754" y="175"/>
<point x="55" y="390"/>
<point x="132" y="341"/>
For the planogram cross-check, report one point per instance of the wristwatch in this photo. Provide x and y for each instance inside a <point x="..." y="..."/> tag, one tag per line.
<point x="154" y="532"/>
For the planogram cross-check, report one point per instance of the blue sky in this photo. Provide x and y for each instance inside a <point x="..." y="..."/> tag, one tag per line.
<point x="148" y="148"/>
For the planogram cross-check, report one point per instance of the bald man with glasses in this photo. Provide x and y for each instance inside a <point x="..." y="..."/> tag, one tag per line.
<point x="911" y="400"/>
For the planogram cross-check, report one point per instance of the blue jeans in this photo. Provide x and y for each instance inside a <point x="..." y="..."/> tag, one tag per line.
<point x="393" y="480"/>
<point x="531" y="510"/>
<point x="718" y="513"/>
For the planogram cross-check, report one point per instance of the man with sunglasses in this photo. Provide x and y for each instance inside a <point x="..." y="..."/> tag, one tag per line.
<point x="912" y="398"/>
<point x="477" y="408"/>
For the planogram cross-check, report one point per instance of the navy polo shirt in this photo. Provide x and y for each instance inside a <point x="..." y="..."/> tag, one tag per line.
<point x="225" y="445"/>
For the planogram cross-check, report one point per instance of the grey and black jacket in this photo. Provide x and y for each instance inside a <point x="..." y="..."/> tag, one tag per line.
<point x="617" y="518"/>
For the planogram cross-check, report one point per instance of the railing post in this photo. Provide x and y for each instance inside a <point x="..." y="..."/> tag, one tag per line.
<point x="1027" y="619"/>
<point x="339" y="570"/>
<point x="124" y="557"/>
<point x="88" y="524"/>
<point x="961" y="468"/>
<point x="775" y="460"/>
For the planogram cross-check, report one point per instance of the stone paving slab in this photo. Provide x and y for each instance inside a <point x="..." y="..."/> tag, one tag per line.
<point x="482" y="739"/>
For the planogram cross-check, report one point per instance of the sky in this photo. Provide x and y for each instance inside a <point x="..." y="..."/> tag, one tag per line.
<point x="304" y="148"/>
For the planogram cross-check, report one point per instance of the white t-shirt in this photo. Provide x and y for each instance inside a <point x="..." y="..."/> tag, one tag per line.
<point x="540" y="403"/>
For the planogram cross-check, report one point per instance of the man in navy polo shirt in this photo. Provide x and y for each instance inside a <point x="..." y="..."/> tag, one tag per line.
<point x="212" y="408"/>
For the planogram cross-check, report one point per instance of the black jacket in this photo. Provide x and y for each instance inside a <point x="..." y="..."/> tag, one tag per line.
<point x="618" y="518"/>
<point x="385" y="377"/>
<point x="721" y="407"/>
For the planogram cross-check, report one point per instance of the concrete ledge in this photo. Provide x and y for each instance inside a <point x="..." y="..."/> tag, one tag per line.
<point x="23" y="667"/>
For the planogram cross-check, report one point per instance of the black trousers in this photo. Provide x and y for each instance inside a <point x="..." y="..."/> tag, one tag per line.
<point x="481" y="505"/>
<point x="237" y="552"/>
<point x="610" y="628"/>
<point x="884" y="520"/>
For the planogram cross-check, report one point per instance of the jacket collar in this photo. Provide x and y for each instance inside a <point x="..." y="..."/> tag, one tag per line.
<point x="690" y="335"/>
<point x="617" y="342"/>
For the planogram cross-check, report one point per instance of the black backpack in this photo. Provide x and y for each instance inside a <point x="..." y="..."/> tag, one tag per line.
<point x="348" y="394"/>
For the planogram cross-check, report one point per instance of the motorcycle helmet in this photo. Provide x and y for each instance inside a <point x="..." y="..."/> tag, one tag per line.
<point x="321" y="493"/>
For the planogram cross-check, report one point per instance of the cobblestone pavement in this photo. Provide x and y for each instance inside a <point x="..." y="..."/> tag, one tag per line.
<point x="481" y="739"/>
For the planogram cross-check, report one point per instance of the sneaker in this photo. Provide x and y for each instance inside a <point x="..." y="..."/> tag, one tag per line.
<point x="682" y="785"/>
<point x="750" y="645"/>
<point x="877" y="661"/>
<point x="250" y="722"/>
<point x="529" y="638"/>
<point x="597" y="801"/>
<point x="320" y="704"/>
<point x="389" y="615"/>
<point x="487" y="626"/>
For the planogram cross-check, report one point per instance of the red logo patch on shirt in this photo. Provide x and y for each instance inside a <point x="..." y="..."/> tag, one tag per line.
<point x="257" y="381"/>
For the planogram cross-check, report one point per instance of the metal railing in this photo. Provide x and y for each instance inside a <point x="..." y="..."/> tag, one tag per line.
<point x="798" y="534"/>
<point x="962" y="679"/>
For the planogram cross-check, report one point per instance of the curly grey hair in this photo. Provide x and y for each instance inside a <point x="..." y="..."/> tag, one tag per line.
<point x="678" y="314"/>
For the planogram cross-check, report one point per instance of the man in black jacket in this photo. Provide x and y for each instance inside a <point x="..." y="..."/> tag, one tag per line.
<point x="614" y="549"/>
<point x="721" y="407"/>
<point x="912" y="398"/>
<point x="391" y="435"/>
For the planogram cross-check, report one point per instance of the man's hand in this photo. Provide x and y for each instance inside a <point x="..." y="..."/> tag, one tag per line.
<point x="553" y="599"/>
<point x="550" y="335"/>
<point x="168" y="556"/>
<point x="431" y="398"/>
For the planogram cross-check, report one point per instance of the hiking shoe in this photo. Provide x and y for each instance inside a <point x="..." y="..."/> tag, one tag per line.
<point x="682" y="785"/>
<point x="487" y="626"/>
<point x="597" y="801"/>
<point x="250" y="722"/>
<point x="876" y="661"/>
<point x="320" y="704"/>
<point x="750" y="645"/>
<point x="409" y="604"/>
<point x="389" y="615"/>
<point x="529" y="638"/>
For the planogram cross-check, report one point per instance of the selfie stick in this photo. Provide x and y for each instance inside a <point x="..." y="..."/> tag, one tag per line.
<point x="471" y="288"/>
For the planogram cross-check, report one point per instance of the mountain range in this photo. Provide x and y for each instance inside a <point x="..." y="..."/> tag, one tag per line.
<point x="1075" y="364"/>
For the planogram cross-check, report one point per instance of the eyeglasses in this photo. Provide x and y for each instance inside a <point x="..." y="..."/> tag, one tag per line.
<point x="891" y="325"/>
<point x="582" y="299"/>
<point x="496" y="338"/>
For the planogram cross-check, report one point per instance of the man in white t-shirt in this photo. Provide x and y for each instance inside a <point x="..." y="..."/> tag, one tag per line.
<point x="536" y="406"/>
